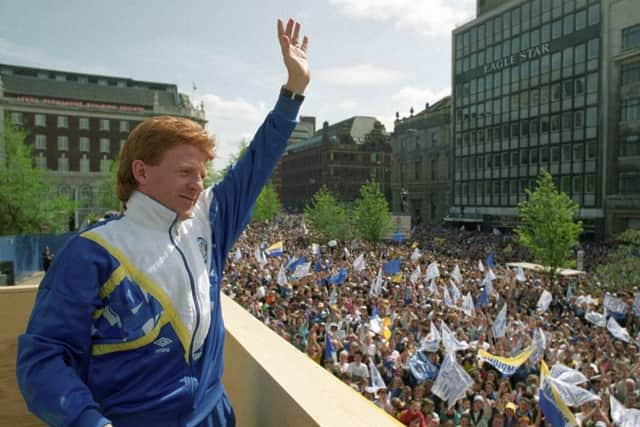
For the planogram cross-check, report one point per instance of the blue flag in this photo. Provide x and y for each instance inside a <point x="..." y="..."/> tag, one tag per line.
<point x="293" y="264"/>
<point x="317" y="267"/>
<point x="392" y="267"/>
<point x="397" y="236"/>
<point x="329" y="351"/>
<point x="337" y="279"/>
<point x="484" y="298"/>
<point x="555" y="411"/>
<point x="490" y="259"/>
<point x="422" y="368"/>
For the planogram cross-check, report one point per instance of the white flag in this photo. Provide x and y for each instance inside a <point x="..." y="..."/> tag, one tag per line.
<point x="544" y="302"/>
<point x="618" y="331"/>
<point x="431" y="342"/>
<point x="433" y="288"/>
<point x="480" y="266"/>
<point x="237" y="256"/>
<point x="260" y="257"/>
<point x="447" y="298"/>
<point x="376" y="379"/>
<point x="333" y="298"/>
<point x="359" y="264"/>
<point x="302" y="270"/>
<point x="377" y="285"/>
<point x="539" y="343"/>
<point x="416" y="254"/>
<point x="432" y="271"/>
<point x="596" y="318"/>
<point x="520" y="277"/>
<point x="467" y="305"/>
<point x="455" y="293"/>
<point x="636" y="304"/>
<point x="621" y="416"/>
<point x="565" y="380"/>
<point x="490" y="275"/>
<point x="452" y="381"/>
<point x="456" y="275"/>
<point x="415" y="275"/>
<point x="614" y="304"/>
<point x="375" y="325"/>
<point x="500" y="324"/>
<point x="282" y="277"/>
<point x="450" y="342"/>
<point x="346" y="252"/>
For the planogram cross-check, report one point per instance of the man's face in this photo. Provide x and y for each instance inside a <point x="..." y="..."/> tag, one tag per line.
<point x="177" y="180"/>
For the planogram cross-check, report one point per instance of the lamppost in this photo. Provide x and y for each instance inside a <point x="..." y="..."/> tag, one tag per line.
<point x="404" y="194"/>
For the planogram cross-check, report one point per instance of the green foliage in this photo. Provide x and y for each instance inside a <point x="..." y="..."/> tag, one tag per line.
<point x="267" y="205"/>
<point x="371" y="215"/>
<point x="26" y="204"/>
<point x="326" y="217"/>
<point x="621" y="269"/>
<point x="107" y="190"/>
<point x="547" y="227"/>
<point x="217" y="175"/>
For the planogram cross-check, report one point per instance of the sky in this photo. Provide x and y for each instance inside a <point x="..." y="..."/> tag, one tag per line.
<point x="367" y="57"/>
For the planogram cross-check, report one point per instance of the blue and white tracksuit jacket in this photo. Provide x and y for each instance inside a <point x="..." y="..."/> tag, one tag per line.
<point x="127" y="327"/>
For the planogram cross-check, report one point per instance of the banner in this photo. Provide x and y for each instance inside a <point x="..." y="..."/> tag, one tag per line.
<point x="506" y="365"/>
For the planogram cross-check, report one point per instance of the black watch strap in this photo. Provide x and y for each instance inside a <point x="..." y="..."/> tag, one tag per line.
<point x="291" y="95"/>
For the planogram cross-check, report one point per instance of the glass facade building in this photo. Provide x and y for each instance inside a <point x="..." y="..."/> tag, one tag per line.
<point x="528" y="89"/>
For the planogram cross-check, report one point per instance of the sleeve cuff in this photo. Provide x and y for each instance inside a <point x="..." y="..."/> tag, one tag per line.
<point x="287" y="107"/>
<point x="91" y="418"/>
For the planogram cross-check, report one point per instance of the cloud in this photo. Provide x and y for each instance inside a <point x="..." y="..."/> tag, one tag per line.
<point x="408" y="97"/>
<point x="348" y="104"/>
<point x="358" y="75"/>
<point x="231" y="121"/>
<point x="428" y="17"/>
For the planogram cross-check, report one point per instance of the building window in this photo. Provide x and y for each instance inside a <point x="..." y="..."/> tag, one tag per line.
<point x="591" y="150"/>
<point x="84" y="164"/>
<point x="41" y="161"/>
<point x="63" y="122"/>
<point x="104" y="124"/>
<point x="63" y="143"/>
<point x="104" y="145"/>
<point x="630" y="183"/>
<point x="630" y="145"/>
<point x="594" y="14"/>
<point x="16" y="118"/>
<point x="124" y="126"/>
<point x="416" y="171"/>
<point x="631" y="37"/>
<point x="631" y="109"/>
<point x="84" y="123"/>
<point x="84" y="144"/>
<point x="631" y="72"/>
<point x="41" y="120"/>
<point x="592" y="117"/>
<point x="105" y="164"/>
<point x="577" y="184"/>
<point x="590" y="184"/>
<point x="578" y="152"/>
<point x="41" y="142"/>
<point x="63" y="163"/>
<point x="565" y="184"/>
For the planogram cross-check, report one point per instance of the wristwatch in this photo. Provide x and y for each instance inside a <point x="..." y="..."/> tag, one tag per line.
<point x="291" y="95"/>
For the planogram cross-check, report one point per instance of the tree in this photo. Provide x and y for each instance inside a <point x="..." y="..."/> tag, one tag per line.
<point x="26" y="204"/>
<point x="621" y="269"/>
<point x="326" y="217"/>
<point x="371" y="215"/>
<point x="107" y="190"/>
<point x="548" y="228"/>
<point x="267" y="205"/>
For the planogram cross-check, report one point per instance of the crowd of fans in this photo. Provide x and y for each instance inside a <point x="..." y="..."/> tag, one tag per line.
<point x="313" y="314"/>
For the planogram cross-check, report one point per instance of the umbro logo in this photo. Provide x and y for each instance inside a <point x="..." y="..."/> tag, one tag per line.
<point x="163" y="342"/>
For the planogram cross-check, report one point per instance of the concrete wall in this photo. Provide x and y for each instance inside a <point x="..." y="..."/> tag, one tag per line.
<point x="269" y="382"/>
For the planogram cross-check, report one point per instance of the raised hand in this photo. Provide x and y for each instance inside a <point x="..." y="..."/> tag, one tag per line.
<point x="294" y="54"/>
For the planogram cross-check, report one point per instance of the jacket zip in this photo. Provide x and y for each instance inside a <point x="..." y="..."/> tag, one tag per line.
<point x="193" y="293"/>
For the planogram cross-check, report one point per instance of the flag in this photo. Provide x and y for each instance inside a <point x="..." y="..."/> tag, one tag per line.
<point x="305" y="230"/>
<point x="565" y="383"/>
<point x="500" y="323"/>
<point x="416" y="254"/>
<point x="262" y="260"/>
<point x="376" y="379"/>
<point x="488" y="286"/>
<point x="433" y="288"/>
<point x="461" y="229"/>
<point x="455" y="293"/>
<point x="491" y="275"/>
<point x="447" y="298"/>
<point x="397" y="278"/>
<point x="450" y="342"/>
<point x="415" y="275"/>
<point x="282" y="277"/>
<point x="392" y="267"/>
<point x="346" y="252"/>
<point x="544" y="302"/>
<point x="484" y="298"/>
<point x="237" y="256"/>
<point x="317" y="266"/>
<point x="555" y="411"/>
<point x="520" y="277"/>
<point x="490" y="259"/>
<point x="456" y="275"/>
<point x="636" y="304"/>
<point x="432" y="271"/>
<point x="397" y="236"/>
<point x="338" y="278"/>
<point x="431" y="342"/>
<point x="329" y="350"/>
<point x="421" y="367"/>
<point x="596" y="318"/>
<point x="496" y="232"/>
<point x="359" y="264"/>
<point x="295" y="262"/>
<point x="539" y="343"/>
<point x="506" y="365"/>
<point x="452" y="381"/>
<point x="315" y="249"/>
<point x="618" y="331"/>
<point x="615" y="306"/>
<point x="333" y="297"/>
<point x="467" y="305"/>
<point x="480" y="266"/>
<point x="302" y="270"/>
<point x="377" y="285"/>
<point x="275" y="250"/>
<point x="622" y="416"/>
